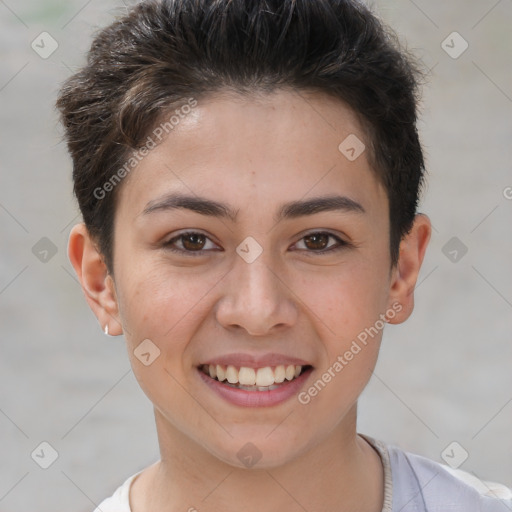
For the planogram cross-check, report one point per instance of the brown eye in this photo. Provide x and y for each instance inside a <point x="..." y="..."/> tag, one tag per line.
<point x="191" y="244"/>
<point x="193" y="241"/>
<point x="319" y="242"/>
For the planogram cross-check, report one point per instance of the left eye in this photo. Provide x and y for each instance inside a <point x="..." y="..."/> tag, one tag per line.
<point x="319" y="242"/>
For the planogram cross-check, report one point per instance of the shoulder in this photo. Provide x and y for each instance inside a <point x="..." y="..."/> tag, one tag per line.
<point x="120" y="500"/>
<point x="431" y="486"/>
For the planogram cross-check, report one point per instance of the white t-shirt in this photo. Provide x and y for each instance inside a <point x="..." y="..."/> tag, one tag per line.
<point x="411" y="484"/>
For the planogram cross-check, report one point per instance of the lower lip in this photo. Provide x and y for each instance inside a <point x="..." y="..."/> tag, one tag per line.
<point x="246" y="398"/>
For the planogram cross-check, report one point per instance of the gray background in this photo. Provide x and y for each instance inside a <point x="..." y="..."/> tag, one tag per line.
<point x="443" y="376"/>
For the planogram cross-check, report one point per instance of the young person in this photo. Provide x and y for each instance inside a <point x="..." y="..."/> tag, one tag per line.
<point x="248" y="173"/>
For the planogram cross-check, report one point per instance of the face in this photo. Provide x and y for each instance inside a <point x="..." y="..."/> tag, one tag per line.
<point x="249" y="247"/>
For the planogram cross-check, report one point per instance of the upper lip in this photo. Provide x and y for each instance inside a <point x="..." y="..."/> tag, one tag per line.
<point x="256" y="361"/>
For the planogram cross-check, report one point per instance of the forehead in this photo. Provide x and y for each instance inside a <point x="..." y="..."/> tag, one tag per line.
<point x="272" y="148"/>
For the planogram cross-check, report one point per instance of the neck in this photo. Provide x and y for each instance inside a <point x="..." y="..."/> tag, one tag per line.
<point x="342" y="472"/>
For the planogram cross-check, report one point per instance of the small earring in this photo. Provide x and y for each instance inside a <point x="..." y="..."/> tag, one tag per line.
<point x="106" y="330"/>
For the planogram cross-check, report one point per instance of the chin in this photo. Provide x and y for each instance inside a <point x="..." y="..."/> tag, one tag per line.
<point x="259" y="452"/>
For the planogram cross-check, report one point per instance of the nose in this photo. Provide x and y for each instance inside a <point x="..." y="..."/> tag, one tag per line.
<point x="257" y="299"/>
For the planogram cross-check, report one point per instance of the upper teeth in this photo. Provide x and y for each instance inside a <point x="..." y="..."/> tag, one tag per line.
<point x="246" y="376"/>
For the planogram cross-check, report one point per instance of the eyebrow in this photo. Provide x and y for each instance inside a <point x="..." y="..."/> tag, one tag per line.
<point x="289" y="210"/>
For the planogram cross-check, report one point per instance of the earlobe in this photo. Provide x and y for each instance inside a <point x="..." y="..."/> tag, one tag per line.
<point x="405" y="275"/>
<point x="97" y="283"/>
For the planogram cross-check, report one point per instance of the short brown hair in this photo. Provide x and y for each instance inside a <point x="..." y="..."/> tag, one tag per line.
<point x="164" y="52"/>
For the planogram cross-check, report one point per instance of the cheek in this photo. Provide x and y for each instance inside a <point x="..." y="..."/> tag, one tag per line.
<point x="349" y="308"/>
<point x="348" y="304"/>
<point x="345" y="300"/>
<point x="166" y="308"/>
<point x="160" y="303"/>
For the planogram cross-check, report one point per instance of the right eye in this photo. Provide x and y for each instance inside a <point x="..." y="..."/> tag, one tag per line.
<point x="192" y="243"/>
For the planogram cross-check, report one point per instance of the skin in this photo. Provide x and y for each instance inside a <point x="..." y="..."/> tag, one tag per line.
<point x="254" y="155"/>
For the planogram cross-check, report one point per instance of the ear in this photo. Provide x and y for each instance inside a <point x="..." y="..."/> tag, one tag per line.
<point x="405" y="274"/>
<point x="97" y="283"/>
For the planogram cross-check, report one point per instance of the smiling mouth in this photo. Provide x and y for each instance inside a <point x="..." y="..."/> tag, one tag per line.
<point x="254" y="379"/>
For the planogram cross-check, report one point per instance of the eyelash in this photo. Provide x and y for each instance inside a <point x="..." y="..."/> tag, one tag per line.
<point x="341" y="244"/>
